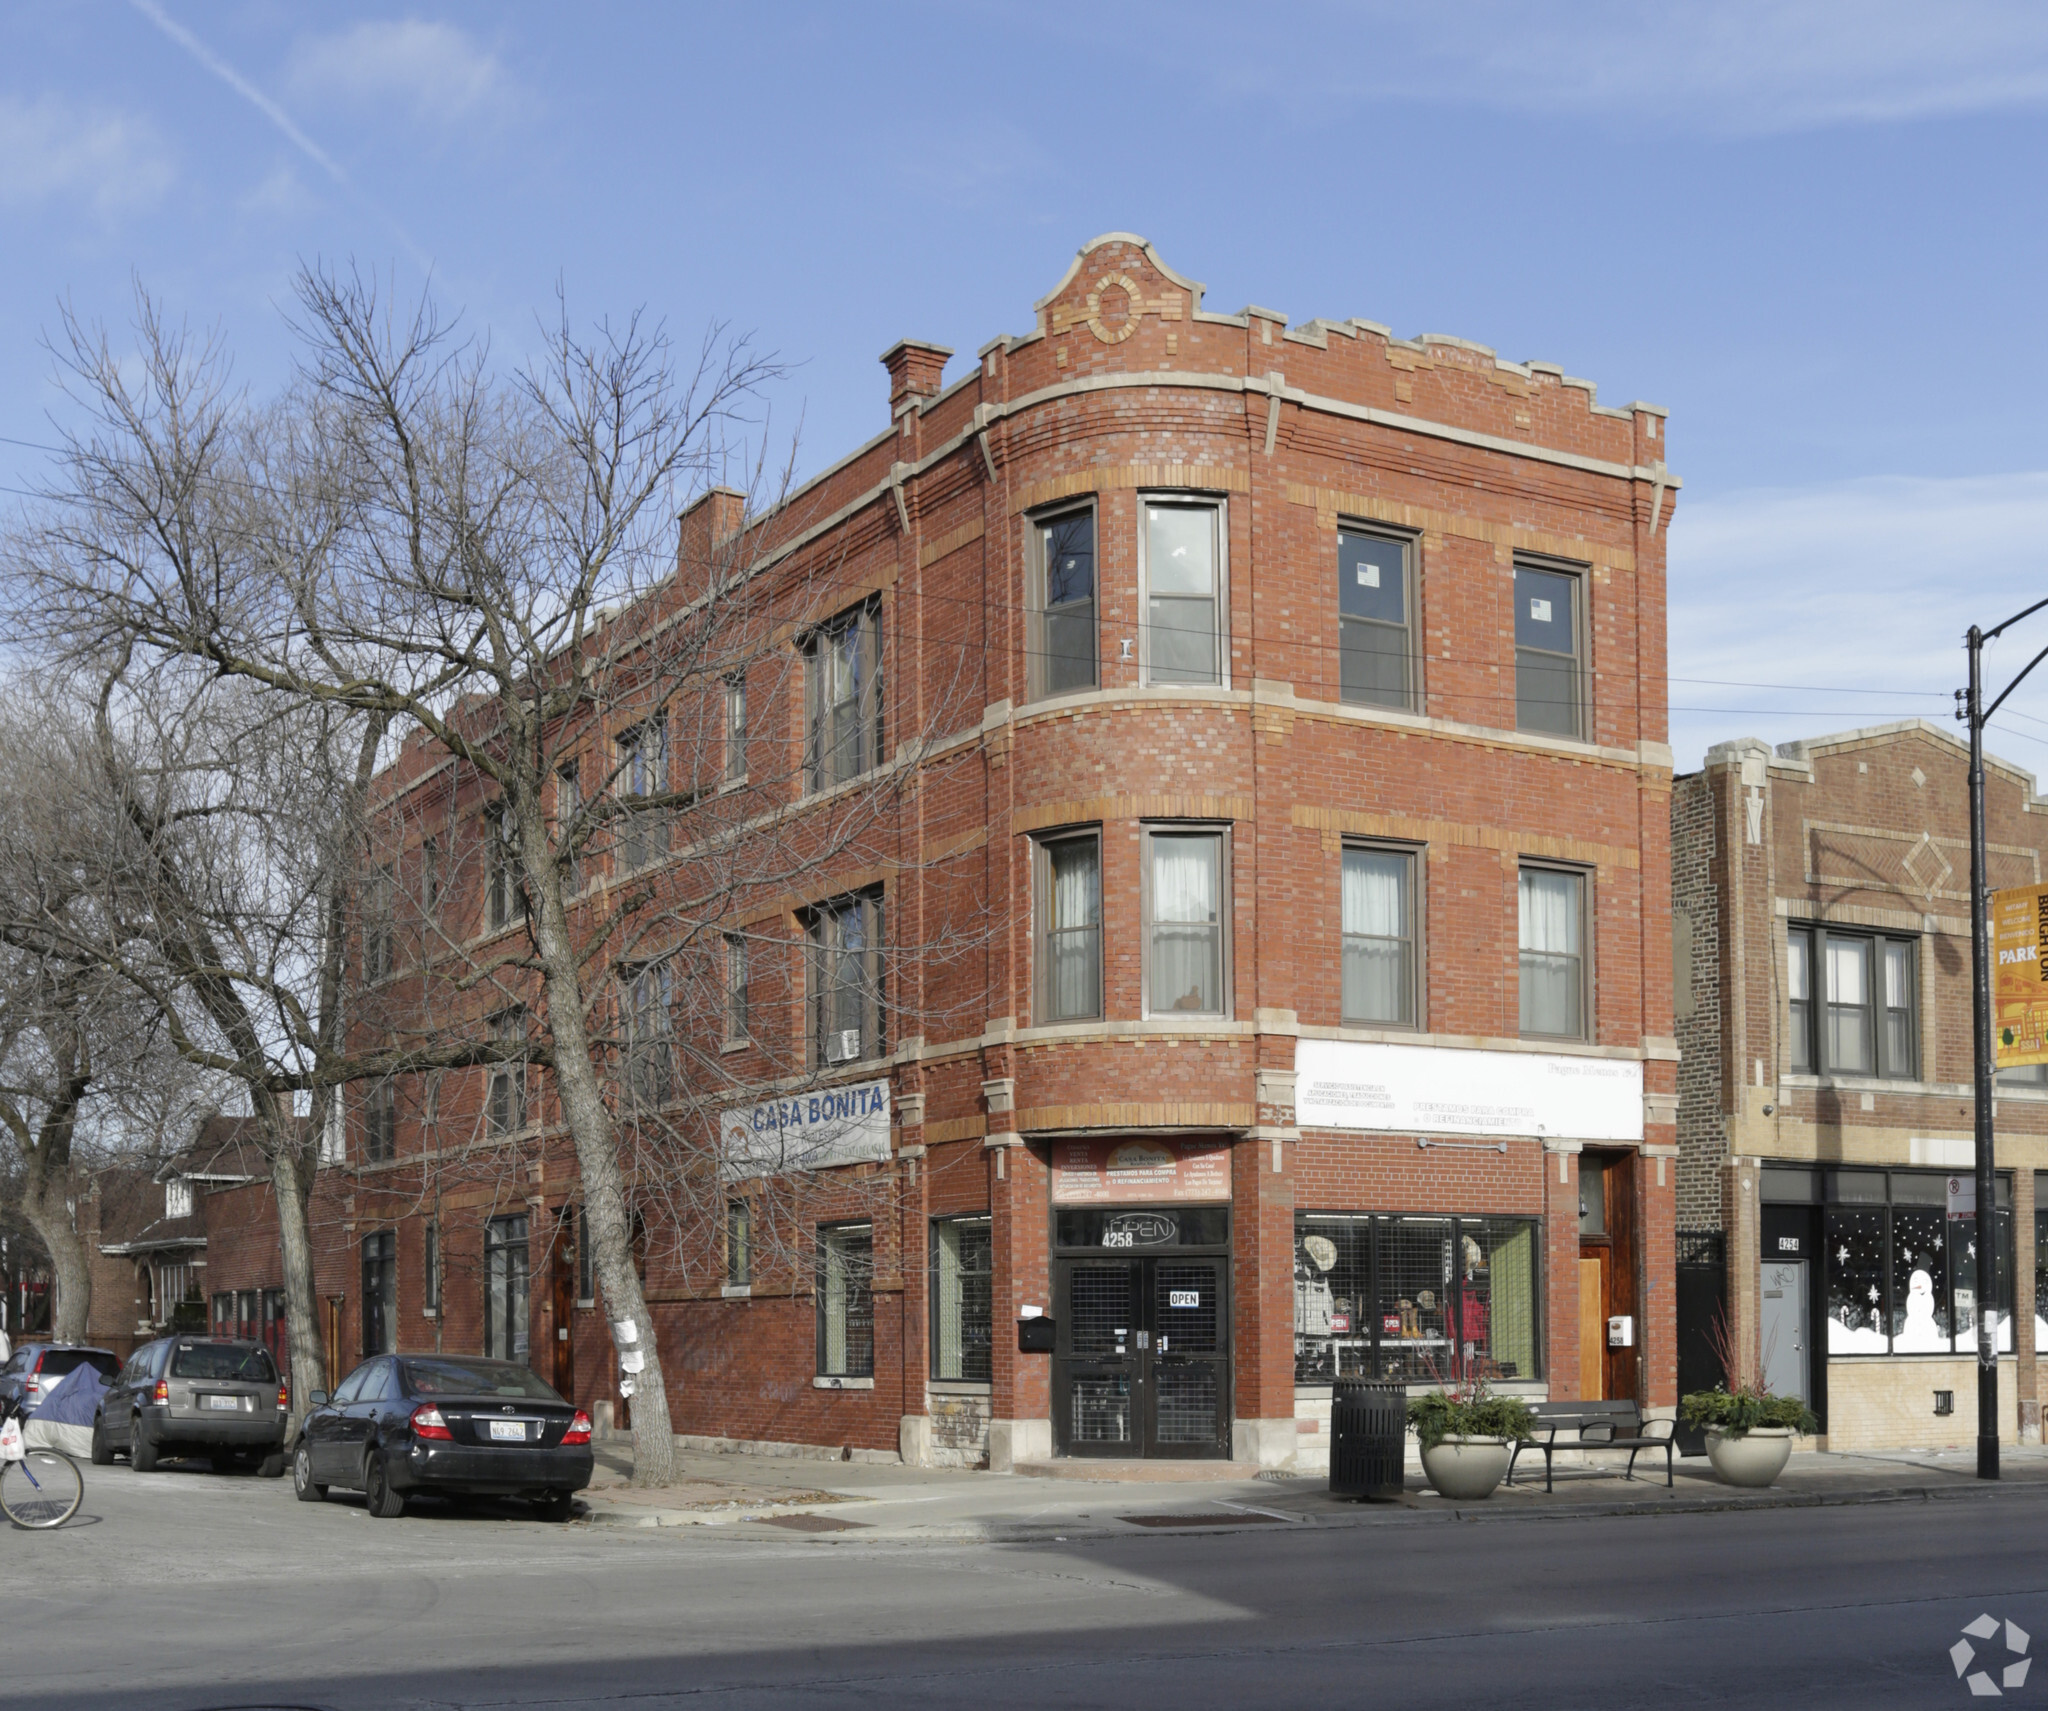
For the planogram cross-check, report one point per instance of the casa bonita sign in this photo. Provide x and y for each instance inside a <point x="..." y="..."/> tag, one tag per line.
<point x="807" y="1131"/>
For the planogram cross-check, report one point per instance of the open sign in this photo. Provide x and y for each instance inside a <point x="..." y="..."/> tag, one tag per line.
<point x="1183" y="1298"/>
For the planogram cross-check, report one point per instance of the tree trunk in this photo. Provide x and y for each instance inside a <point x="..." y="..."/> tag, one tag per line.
<point x="292" y="1164"/>
<point x="46" y="1204"/>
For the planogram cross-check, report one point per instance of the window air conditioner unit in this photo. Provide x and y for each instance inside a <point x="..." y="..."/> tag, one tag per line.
<point x="842" y="1046"/>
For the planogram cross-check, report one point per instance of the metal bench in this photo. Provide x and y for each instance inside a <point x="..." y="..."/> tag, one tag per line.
<point x="1595" y="1426"/>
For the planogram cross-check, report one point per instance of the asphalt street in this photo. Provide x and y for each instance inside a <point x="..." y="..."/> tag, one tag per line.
<point x="183" y="1590"/>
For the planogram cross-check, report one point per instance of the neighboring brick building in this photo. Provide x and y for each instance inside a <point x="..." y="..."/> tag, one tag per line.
<point x="1311" y="793"/>
<point x="1821" y="898"/>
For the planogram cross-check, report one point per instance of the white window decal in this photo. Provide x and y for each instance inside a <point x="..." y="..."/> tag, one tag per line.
<point x="1540" y="611"/>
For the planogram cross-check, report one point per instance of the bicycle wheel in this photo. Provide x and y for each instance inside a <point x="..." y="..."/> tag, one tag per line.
<point x="43" y="1489"/>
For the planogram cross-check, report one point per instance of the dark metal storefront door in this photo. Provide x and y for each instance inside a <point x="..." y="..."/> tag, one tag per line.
<point x="1143" y="1357"/>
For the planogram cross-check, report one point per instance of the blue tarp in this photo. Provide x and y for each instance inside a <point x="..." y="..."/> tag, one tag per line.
<point x="75" y="1399"/>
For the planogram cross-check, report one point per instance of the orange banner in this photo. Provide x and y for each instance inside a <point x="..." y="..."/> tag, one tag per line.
<point x="1137" y="1172"/>
<point x="2019" y="975"/>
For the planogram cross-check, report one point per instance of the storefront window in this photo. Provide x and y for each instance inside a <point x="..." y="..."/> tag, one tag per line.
<point x="1414" y="1298"/>
<point x="962" y="1281"/>
<point x="1902" y="1273"/>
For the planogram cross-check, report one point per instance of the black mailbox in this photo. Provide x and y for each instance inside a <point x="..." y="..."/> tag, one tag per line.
<point x="1035" y="1336"/>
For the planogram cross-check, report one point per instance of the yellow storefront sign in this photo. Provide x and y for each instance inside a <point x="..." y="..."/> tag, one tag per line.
<point x="2019" y="975"/>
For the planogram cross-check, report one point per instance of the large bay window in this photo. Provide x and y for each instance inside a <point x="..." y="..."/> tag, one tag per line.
<point x="1851" y="1002"/>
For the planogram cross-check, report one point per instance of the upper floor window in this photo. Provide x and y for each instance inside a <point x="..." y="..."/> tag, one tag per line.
<point x="505" y="1098"/>
<point x="846" y="979"/>
<point x="178" y="1197"/>
<point x="643" y="771"/>
<point x="1553" y="936"/>
<point x="569" y="804"/>
<point x="736" y="982"/>
<point x="843" y="698"/>
<point x="379" y="894"/>
<point x="1062" y="603"/>
<point x="1851" y="1003"/>
<point x="1186" y="947"/>
<point x="736" y="727"/>
<point x="1070" y="905"/>
<point x="501" y="876"/>
<point x="1184" y="592"/>
<point x="1375" y="644"/>
<point x="1549" y="652"/>
<point x="430" y="879"/>
<point x="1378" y="912"/>
<point x="739" y="1245"/>
<point x="648" y="1050"/>
<point x="380" y="1121"/>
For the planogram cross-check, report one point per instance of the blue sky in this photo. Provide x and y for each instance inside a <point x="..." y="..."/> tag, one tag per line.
<point x="1813" y="231"/>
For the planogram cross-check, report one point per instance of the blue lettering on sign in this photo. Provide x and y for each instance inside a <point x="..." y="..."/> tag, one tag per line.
<point x="837" y="1106"/>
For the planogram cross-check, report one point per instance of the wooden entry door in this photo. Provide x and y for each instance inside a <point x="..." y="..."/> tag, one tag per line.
<point x="1607" y="1272"/>
<point x="1593" y="1324"/>
<point x="564" y="1304"/>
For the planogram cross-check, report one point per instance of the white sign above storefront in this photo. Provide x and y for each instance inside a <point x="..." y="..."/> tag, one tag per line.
<point x="807" y="1131"/>
<point x="1441" y="1090"/>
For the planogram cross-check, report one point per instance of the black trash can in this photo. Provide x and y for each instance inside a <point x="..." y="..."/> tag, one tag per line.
<point x="1368" y="1437"/>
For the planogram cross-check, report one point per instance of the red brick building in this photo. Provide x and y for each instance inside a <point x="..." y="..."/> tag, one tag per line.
<point x="1302" y="766"/>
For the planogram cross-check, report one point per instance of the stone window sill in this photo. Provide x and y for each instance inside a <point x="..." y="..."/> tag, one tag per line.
<point x="960" y="1387"/>
<point x="736" y="1292"/>
<point x="842" y="1384"/>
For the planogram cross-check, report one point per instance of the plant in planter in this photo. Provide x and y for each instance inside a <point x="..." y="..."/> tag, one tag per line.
<point x="1749" y="1430"/>
<point x="1467" y="1434"/>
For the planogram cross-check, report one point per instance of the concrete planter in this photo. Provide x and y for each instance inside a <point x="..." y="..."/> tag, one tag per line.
<point x="1466" y="1469"/>
<point x="1755" y="1459"/>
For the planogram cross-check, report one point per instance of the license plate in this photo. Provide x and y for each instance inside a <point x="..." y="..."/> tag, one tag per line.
<point x="234" y="1402"/>
<point x="512" y="1431"/>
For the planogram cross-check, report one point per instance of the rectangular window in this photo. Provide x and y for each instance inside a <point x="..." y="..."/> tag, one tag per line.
<point x="1184" y="592"/>
<point x="1864" y="1019"/>
<point x="430" y="1266"/>
<point x="643" y="772"/>
<point x="1901" y="1272"/>
<point x="963" y="1283"/>
<point x="380" y="1293"/>
<point x="649" y="1048"/>
<point x="1375" y="644"/>
<point x="430" y="880"/>
<point x="506" y="1088"/>
<point x="736" y="727"/>
<point x="501" y="878"/>
<point x="846" y="980"/>
<point x="1062" y="630"/>
<point x="380" y="1122"/>
<point x="1553" y="977"/>
<point x="507" y="1302"/>
<point x="1799" y="998"/>
<point x="1070" y="905"/>
<point x="380" y="891"/>
<point x="1417" y="1299"/>
<point x="1549" y="687"/>
<point x="1185" y="943"/>
<point x="569" y="804"/>
<point x="846" y="1301"/>
<point x="739" y="1245"/>
<point x="736" y="977"/>
<point x="178" y="1198"/>
<point x="843" y="699"/>
<point x="1378" y="918"/>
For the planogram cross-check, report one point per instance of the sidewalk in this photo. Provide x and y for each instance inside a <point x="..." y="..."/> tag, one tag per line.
<point x="761" y="1497"/>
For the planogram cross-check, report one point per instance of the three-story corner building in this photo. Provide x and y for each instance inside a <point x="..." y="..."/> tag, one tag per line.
<point x="1821" y="918"/>
<point x="1284" y="710"/>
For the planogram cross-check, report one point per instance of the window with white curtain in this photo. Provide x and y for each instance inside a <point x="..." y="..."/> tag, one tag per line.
<point x="1070" y="905"/>
<point x="1851" y="1004"/>
<point x="1186" y="962"/>
<point x="1553" y="978"/>
<point x="1378" y="915"/>
<point x="1184" y="592"/>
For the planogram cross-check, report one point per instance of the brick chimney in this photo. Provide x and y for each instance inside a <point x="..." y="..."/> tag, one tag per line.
<point x="914" y="369"/>
<point x="713" y="518"/>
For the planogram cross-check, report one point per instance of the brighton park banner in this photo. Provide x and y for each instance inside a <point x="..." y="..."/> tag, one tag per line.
<point x="2019" y="978"/>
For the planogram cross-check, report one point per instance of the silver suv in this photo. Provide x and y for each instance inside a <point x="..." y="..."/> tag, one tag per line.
<point x="195" y="1395"/>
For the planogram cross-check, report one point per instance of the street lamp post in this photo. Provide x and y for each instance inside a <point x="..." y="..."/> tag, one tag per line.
<point x="1976" y="715"/>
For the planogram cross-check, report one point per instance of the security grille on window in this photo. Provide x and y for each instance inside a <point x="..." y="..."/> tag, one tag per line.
<point x="1549" y="687"/>
<point x="1062" y="632"/>
<point x="1415" y="1298"/>
<point x="507" y="1305"/>
<point x="1375" y="647"/>
<point x="1185" y="943"/>
<point x="843" y="699"/>
<point x="501" y="878"/>
<point x="1184" y="593"/>
<point x="963" y="1281"/>
<point x="736" y="727"/>
<point x="846" y="980"/>
<point x="739" y="1245"/>
<point x="1852" y="1003"/>
<point x="1379" y="937"/>
<point x="649" y="1048"/>
<point x="643" y="772"/>
<point x="736" y="982"/>
<point x="846" y="1302"/>
<point x="380" y="1122"/>
<point x="379" y="891"/>
<point x="505" y="1097"/>
<point x="1553" y="971"/>
<point x="380" y="1293"/>
<point x="1070" y="905"/>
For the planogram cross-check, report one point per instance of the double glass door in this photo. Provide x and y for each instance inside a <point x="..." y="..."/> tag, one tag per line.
<point x="1142" y="1361"/>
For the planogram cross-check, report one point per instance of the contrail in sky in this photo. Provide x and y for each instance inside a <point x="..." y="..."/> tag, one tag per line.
<point x="275" y="114"/>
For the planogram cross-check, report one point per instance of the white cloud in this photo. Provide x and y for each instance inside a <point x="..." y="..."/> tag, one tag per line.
<point x="1740" y="66"/>
<point x="50" y="149"/>
<point x="1858" y="593"/>
<point x="436" y="70"/>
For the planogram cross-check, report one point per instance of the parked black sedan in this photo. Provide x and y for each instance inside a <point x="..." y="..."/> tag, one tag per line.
<point x="458" y="1425"/>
